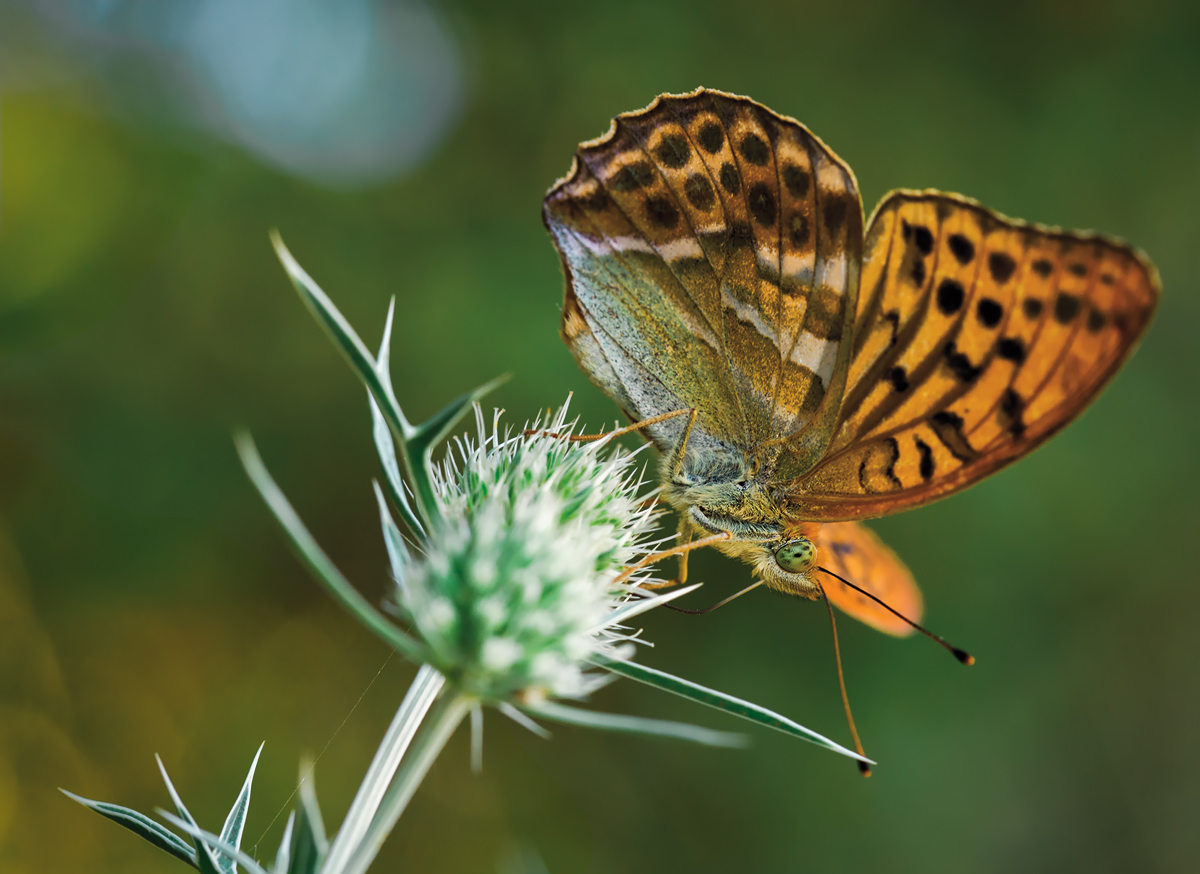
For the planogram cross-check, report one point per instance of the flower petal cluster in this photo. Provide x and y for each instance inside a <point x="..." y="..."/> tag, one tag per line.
<point x="516" y="587"/>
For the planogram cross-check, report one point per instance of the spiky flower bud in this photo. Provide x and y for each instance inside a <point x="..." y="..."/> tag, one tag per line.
<point x="516" y="587"/>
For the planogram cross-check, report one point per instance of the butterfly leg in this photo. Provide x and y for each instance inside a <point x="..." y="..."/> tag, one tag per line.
<point x="680" y="451"/>
<point x="685" y="537"/>
<point x="680" y="549"/>
<point x="628" y="429"/>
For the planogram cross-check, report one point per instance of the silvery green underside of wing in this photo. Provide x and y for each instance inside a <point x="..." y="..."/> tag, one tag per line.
<point x="712" y="251"/>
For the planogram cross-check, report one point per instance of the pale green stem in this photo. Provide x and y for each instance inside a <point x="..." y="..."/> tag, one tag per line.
<point x="416" y="704"/>
<point x="441" y="722"/>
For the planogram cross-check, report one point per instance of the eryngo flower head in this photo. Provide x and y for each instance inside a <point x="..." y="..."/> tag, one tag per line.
<point x="517" y="584"/>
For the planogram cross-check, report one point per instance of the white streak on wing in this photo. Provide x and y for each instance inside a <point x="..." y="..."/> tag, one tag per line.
<point x="715" y="228"/>
<point x="831" y="272"/>
<point x="684" y="247"/>
<point x="768" y="257"/>
<point x="799" y="267"/>
<point x="829" y="177"/>
<point x="810" y="352"/>
<point x="631" y="244"/>
<point x="746" y="313"/>
<point x="828" y="362"/>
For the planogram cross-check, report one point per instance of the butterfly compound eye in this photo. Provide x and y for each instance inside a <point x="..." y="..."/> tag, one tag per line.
<point x="797" y="556"/>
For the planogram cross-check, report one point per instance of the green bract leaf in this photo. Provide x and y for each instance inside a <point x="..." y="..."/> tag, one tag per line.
<point x="721" y="701"/>
<point x="283" y="855"/>
<point x="309" y="844"/>
<point x="634" y="725"/>
<point x="214" y="843"/>
<point x="231" y="832"/>
<point x="307" y="550"/>
<point x="141" y="825"/>
<point x="345" y="338"/>
<point x="393" y="540"/>
<point x="206" y="862"/>
<point x="384" y="442"/>
<point x="386" y="449"/>
<point x="435" y="429"/>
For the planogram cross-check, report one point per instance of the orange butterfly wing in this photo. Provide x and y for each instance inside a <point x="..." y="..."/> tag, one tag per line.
<point x="977" y="337"/>
<point x="853" y="551"/>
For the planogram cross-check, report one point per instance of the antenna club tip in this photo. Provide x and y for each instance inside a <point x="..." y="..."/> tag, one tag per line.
<point x="864" y="769"/>
<point x="963" y="656"/>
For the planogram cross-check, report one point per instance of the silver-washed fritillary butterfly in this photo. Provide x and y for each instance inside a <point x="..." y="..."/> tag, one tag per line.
<point x="717" y="262"/>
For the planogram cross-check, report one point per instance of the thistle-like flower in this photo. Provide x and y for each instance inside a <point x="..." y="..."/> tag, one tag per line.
<point x="515" y="591"/>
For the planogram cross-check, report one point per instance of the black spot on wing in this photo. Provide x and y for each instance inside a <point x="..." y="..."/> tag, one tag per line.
<point x="923" y="238"/>
<point x="898" y="378"/>
<point x="1001" y="266"/>
<point x="1032" y="307"/>
<point x="673" y="150"/>
<point x="950" y="296"/>
<point x="960" y="365"/>
<point x="699" y="191"/>
<point x="926" y="463"/>
<point x="1096" y="320"/>
<point x="1042" y="267"/>
<point x="893" y="447"/>
<point x="1012" y="408"/>
<point x="796" y="179"/>
<point x="948" y="428"/>
<point x="762" y="204"/>
<point x="662" y="212"/>
<point x="798" y="230"/>
<point x="834" y="212"/>
<point x="633" y="176"/>
<point x="711" y="137"/>
<point x="1011" y="349"/>
<point x="989" y="312"/>
<point x="963" y="249"/>
<point x="1066" y="308"/>
<point x="730" y="180"/>
<point x="755" y="150"/>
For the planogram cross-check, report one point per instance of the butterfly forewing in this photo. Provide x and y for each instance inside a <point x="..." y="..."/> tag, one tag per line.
<point x="977" y="338"/>
<point x="711" y="250"/>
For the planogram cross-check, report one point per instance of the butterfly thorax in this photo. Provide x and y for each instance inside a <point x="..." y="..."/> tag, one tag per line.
<point x="724" y="491"/>
<point x="716" y="491"/>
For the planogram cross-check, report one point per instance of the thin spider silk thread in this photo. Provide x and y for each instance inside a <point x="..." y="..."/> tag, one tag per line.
<point x="342" y="725"/>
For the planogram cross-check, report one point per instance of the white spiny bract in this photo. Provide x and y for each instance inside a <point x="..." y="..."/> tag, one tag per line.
<point x="517" y="581"/>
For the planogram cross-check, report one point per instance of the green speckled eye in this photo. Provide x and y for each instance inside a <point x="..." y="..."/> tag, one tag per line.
<point x="797" y="556"/>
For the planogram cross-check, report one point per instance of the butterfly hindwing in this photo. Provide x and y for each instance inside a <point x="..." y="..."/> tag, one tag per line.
<point x="853" y="551"/>
<point x="711" y="249"/>
<point x="977" y="337"/>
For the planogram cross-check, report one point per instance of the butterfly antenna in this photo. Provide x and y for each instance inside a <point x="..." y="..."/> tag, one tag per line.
<point x="961" y="654"/>
<point x="716" y="605"/>
<point x="837" y="656"/>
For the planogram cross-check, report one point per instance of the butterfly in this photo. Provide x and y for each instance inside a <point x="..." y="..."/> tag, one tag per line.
<point x="717" y="264"/>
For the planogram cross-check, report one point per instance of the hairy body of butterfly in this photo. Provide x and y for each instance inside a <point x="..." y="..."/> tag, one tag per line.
<point x="716" y="260"/>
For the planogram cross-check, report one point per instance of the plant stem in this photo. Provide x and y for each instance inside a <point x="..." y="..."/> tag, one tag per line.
<point x="408" y="718"/>
<point x="443" y="719"/>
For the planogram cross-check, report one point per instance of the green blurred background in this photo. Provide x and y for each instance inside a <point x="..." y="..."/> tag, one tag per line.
<point x="148" y="605"/>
